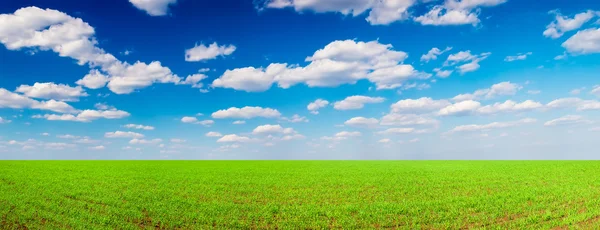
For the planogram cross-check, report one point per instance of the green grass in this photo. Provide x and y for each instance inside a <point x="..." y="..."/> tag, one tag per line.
<point x="299" y="194"/>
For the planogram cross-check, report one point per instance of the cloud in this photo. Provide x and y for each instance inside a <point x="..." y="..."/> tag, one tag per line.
<point x="134" y="126"/>
<point x="202" y="52"/>
<point x="518" y="57"/>
<point x="153" y="7"/>
<point x="342" y="136"/>
<point x="455" y="12"/>
<point x="50" y="90"/>
<point x="295" y="119"/>
<point x="562" y="24"/>
<point x="93" y="80"/>
<point x="356" y="102"/>
<point x="240" y="122"/>
<point x="567" y="120"/>
<point x="470" y="62"/>
<point x="16" y="101"/>
<point x="500" y="89"/>
<point x="86" y="115"/>
<point x="314" y="107"/>
<point x="583" y="42"/>
<point x="234" y="138"/>
<point x="246" y="112"/>
<point x="421" y="105"/>
<point x="509" y="106"/>
<point x="362" y="122"/>
<point x="121" y="134"/>
<point x="397" y="131"/>
<point x="490" y="126"/>
<point x="379" y="12"/>
<point x="144" y="141"/>
<point x="596" y="90"/>
<point x="272" y="129"/>
<point x="460" y="108"/>
<point x="578" y="103"/>
<point x="442" y="73"/>
<point x="67" y="136"/>
<point x="194" y="120"/>
<point x="396" y="119"/>
<point x="99" y="147"/>
<point x="214" y="134"/>
<point x="194" y="80"/>
<point x="339" y="62"/>
<point x="433" y="54"/>
<point x="385" y="140"/>
<point x="4" y="120"/>
<point x="176" y="140"/>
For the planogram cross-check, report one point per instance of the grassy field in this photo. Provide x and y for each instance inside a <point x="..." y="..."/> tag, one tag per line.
<point x="299" y="194"/>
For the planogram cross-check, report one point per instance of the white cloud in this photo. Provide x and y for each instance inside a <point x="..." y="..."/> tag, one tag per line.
<point x="134" y="126"/>
<point x="293" y="137"/>
<point x="362" y="122"/>
<point x="16" y="101"/>
<point x="578" y="103"/>
<point x="144" y="141"/>
<point x="562" y="24"/>
<point x="86" y="115"/>
<point x="153" y="7"/>
<point x="234" y="138"/>
<point x="518" y="57"/>
<point x="67" y="136"/>
<point x="534" y="92"/>
<point x="596" y="90"/>
<point x="93" y="80"/>
<point x="380" y="12"/>
<point x="99" y="147"/>
<point x="460" y="108"/>
<point x="239" y="122"/>
<point x="295" y="119"/>
<point x="314" y="107"/>
<point x="356" y="102"/>
<point x="500" y="89"/>
<point x="342" y="136"/>
<point x="121" y="134"/>
<point x="433" y="54"/>
<point x="421" y="105"/>
<point x="510" y="106"/>
<point x="189" y="120"/>
<point x="177" y="140"/>
<point x="455" y="12"/>
<point x="471" y="61"/>
<point x="272" y="129"/>
<point x="490" y="126"/>
<point x="395" y="119"/>
<point x="246" y="112"/>
<point x="397" y="131"/>
<point x="567" y="120"/>
<point x="584" y="42"/>
<point x="50" y="90"/>
<point x="214" y="134"/>
<point x="4" y="121"/>
<point x="385" y="140"/>
<point x="442" y="73"/>
<point x="202" y="52"/>
<point x="194" y="80"/>
<point x="339" y="62"/>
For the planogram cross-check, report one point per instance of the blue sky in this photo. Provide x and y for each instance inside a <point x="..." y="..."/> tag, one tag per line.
<point x="299" y="79"/>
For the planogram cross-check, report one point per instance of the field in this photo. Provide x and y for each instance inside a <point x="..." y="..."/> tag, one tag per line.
<point x="299" y="194"/>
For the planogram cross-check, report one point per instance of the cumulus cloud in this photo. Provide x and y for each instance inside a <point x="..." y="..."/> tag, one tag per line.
<point x="50" y="90"/>
<point x="397" y="131"/>
<point x="339" y="62"/>
<point x="202" y="52"/>
<point x="356" y="102"/>
<point x="442" y="73"/>
<point x="93" y="80"/>
<point x="456" y="12"/>
<point x="342" y="136"/>
<point x="214" y="134"/>
<point x="562" y="24"/>
<point x="16" y="101"/>
<point x="567" y="120"/>
<point x="510" y="106"/>
<point x="153" y="7"/>
<point x="247" y="112"/>
<point x="314" y="107"/>
<point x="500" y="89"/>
<point x="490" y="126"/>
<point x="362" y="122"/>
<point x="234" y="138"/>
<point x="518" y="57"/>
<point x="574" y="102"/>
<point x="396" y="119"/>
<point x="239" y="122"/>
<point x="194" y="120"/>
<point x="468" y="62"/>
<point x="421" y="105"/>
<point x="295" y="119"/>
<point x="272" y="129"/>
<point x="144" y="141"/>
<point x="460" y="108"/>
<point x="583" y="42"/>
<point x="4" y="120"/>
<point x="134" y="126"/>
<point x="121" y="134"/>
<point x="86" y="115"/>
<point x="433" y="54"/>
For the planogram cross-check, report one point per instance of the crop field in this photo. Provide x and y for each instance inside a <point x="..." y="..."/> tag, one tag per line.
<point x="299" y="194"/>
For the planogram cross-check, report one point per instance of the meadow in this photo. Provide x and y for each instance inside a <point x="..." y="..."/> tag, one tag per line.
<point x="299" y="194"/>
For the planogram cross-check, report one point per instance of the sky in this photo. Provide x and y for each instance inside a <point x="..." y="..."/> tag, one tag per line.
<point x="299" y="79"/>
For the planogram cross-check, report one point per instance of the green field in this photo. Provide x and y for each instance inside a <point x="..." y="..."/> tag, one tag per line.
<point x="299" y="194"/>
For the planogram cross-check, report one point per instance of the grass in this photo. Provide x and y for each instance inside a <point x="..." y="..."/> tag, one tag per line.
<point x="299" y="194"/>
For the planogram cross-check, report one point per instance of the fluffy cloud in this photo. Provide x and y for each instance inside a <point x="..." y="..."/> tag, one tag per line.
<point x="144" y="141"/>
<point x="99" y="147"/>
<point x="456" y="12"/>
<point x="153" y="7"/>
<point x="433" y="54"/>
<point x="421" y="105"/>
<point x="295" y="119"/>
<point x="214" y="134"/>
<point x="194" y="80"/>
<point x="362" y="122"/>
<point x="339" y="62"/>
<point x="4" y="120"/>
<point x="397" y="131"/>
<point x="202" y="52"/>
<point x="562" y="24"/>
<point x="567" y="120"/>
<point x="578" y="103"/>
<point x="380" y="12"/>
<point x="247" y="112"/>
<point x="314" y="107"/>
<point x="272" y="129"/>
<point x="442" y="73"/>
<point x="193" y="120"/>
<point x="16" y="101"/>
<point x="518" y="57"/>
<point x="490" y="126"/>
<point x="356" y="102"/>
<point x="584" y="42"/>
<point x="500" y="89"/>
<point x="510" y="106"/>
<point x="86" y="115"/>
<point x="234" y="138"/>
<point x="134" y="126"/>
<point x="240" y="122"/>
<point x="460" y="108"/>
<point x="93" y="80"/>
<point x="596" y="90"/>
<point x="59" y="92"/>
<point x="395" y="119"/>
<point x="342" y="136"/>
<point x="121" y="134"/>
<point x="469" y="62"/>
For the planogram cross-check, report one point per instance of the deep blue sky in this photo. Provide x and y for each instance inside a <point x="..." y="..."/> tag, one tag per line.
<point x="262" y="35"/>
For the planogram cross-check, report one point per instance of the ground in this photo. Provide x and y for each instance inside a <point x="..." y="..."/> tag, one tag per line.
<point x="299" y="194"/>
